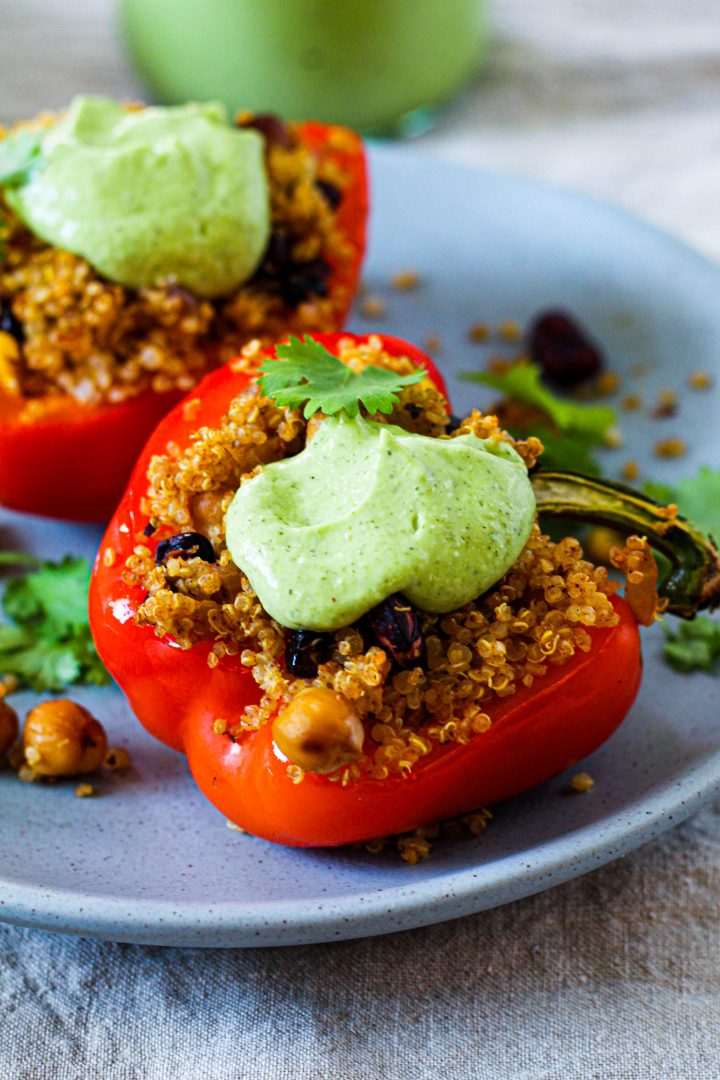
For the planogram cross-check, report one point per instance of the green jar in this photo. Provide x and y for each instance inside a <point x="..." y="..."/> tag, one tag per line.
<point x="382" y="66"/>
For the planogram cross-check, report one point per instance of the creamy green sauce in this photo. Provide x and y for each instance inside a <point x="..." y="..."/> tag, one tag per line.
<point x="145" y="196"/>
<point x="367" y="510"/>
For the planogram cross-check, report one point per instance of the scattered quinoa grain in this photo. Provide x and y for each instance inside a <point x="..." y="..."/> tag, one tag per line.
<point x="108" y="556"/>
<point x="673" y="447"/>
<point x="510" y="330"/>
<point x="582" y="782"/>
<point x="84" y="791"/>
<point x="479" y="332"/>
<point x="372" y="307"/>
<point x="405" y="280"/>
<point x="607" y="383"/>
<point x="433" y="344"/>
<point x="613" y="439"/>
<point x="630" y="470"/>
<point x="666" y="405"/>
<point x="699" y="380"/>
<point x="219" y="726"/>
<point x="631" y="403"/>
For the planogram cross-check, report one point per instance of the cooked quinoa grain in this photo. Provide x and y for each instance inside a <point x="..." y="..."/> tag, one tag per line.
<point x="535" y="617"/>
<point x="84" y="336"/>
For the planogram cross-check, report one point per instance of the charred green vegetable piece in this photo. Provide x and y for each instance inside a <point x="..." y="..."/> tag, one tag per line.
<point x="692" y="582"/>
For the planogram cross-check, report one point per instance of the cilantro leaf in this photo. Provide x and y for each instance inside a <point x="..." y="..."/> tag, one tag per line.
<point x="20" y="155"/>
<point x="521" y="382"/>
<point x="47" y="645"/>
<point x="694" y="646"/>
<point x="308" y="374"/>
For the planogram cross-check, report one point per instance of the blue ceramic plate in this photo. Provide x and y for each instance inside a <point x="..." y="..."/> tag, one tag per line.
<point x="149" y="860"/>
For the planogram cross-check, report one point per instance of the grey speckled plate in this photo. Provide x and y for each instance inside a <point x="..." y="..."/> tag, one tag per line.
<point x="149" y="860"/>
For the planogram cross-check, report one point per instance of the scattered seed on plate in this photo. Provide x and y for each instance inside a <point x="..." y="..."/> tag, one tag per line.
<point x="433" y="343"/>
<point x="372" y="307"/>
<point x="83" y="791"/>
<point x="510" y="330"/>
<point x="631" y="403"/>
<point x="699" y="380"/>
<point x="479" y="332"/>
<point x="582" y="782"/>
<point x="613" y="439"/>
<point x="219" y="726"/>
<point x="630" y="470"/>
<point x="666" y="405"/>
<point x="670" y="448"/>
<point x="607" y="383"/>
<point x="405" y="280"/>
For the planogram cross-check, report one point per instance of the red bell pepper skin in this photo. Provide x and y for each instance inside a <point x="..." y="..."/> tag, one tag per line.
<point x="63" y="459"/>
<point x="535" y="733"/>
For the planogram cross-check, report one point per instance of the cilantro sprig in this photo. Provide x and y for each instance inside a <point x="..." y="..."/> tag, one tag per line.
<point x="569" y="430"/>
<point x="46" y="643"/>
<point x="20" y="156"/>
<point x="307" y="374"/>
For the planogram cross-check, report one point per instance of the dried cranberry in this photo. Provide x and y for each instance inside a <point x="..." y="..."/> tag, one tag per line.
<point x="330" y="193"/>
<point x="9" y="322"/>
<point x="272" y="128"/>
<point x="305" y="650"/>
<point x="396" y="627"/>
<point x="189" y="545"/>
<point x="562" y="349"/>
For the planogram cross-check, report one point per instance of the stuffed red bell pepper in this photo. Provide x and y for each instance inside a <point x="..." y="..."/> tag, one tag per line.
<point x="334" y="597"/>
<point x="140" y="248"/>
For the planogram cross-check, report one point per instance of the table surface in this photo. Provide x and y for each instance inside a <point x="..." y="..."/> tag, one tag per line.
<point x="613" y="975"/>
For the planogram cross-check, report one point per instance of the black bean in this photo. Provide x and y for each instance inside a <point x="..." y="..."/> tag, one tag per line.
<point x="396" y="627"/>
<point x="149" y="529"/>
<point x="330" y="193"/>
<point x="9" y="322"/>
<point x="305" y="650"/>
<point x="304" y="281"/>
<point x="453" y="422"/>
<point x="272" y="128"/>
<point x="189" y="545"/>
<point x="563" y="350"/>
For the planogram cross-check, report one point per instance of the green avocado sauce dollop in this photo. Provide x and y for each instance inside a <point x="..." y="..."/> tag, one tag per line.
<point x="366" y="510"/>
<point x="152" y="194"/>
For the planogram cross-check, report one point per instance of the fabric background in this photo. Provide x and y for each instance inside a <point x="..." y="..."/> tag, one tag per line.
<point x="615" y="975"/>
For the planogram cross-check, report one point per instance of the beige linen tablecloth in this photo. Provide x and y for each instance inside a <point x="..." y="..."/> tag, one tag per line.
<point x="615" y="975"/>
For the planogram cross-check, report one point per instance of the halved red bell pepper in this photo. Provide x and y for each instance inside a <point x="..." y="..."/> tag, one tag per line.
<point x="63" y="459"/>
<point x="177" y="696"/>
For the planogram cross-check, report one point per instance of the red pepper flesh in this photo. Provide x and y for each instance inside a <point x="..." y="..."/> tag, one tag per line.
<point x="535" y="734"/>
<point x="63" y="459"/>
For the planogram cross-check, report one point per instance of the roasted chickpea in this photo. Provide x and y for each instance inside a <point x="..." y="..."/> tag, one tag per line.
<point x="9" y="728"/>
<point x="319" y="731"/>
<point x="61" y="738"/>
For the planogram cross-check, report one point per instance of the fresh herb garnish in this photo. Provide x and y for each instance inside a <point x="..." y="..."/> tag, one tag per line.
<point x="694" y="646"/>
<point x="20" y="155"/>
<point x="47" y="645"/>
<point x="570" y="430"/>
<point x="308" y="374"/>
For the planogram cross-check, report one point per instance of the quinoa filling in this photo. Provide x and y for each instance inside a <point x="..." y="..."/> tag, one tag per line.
<point x="64" y="329"/>
<point x="415" y="679"/>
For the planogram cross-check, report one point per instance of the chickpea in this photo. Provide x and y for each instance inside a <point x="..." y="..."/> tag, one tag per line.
<point x="61" y="738"/>
<point x="319" y="731"/>
<point x="9" y="728"/>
